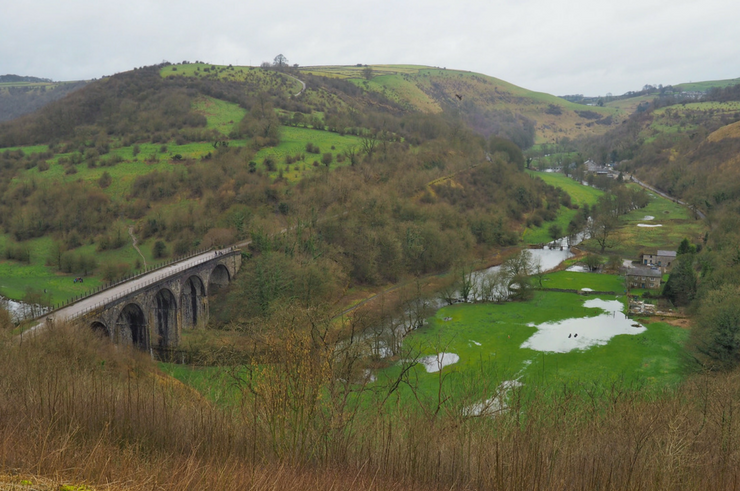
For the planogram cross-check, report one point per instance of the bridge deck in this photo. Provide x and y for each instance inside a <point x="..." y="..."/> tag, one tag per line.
<point x="115" y="292"/>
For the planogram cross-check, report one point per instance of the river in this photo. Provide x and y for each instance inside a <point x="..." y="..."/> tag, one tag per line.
<point x="20" y="311"/>
<point x="386" y="339"/>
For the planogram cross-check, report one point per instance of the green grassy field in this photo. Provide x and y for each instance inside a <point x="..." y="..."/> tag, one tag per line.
<point x="676" y="223"/>
<point x="579" y="195"/>
<point x="211" y="382"/>
<point x="123" y="173"/>
<point x="293" y="141"/>
<point x="577" y="281"/>
<point x="706" y="85"/>
<point x="17" y="277"/>
<point x="488" y="340"/>
<point x="221" y="115"/>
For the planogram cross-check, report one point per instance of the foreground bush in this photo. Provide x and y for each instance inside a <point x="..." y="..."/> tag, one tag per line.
<point x="76" y="408"/>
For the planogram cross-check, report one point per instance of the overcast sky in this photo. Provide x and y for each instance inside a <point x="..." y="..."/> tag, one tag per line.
<point x="562" y="47"/>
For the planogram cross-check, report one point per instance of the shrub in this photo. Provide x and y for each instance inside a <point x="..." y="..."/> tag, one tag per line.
<point x="159" y="250"/>
<point x="311" y="148"/>
<point x="105" y="180"/>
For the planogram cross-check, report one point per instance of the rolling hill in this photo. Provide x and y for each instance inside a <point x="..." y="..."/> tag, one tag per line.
<point x="487" y="104"/>
<point x="191" y="155"/>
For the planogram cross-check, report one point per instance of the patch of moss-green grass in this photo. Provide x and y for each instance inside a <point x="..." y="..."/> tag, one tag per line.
<point x="211" y="382"/>
<point x="16" y="278"/>
<point x="293" y="142"/>
<point x="573" y="280"/>
<point x="220" y="115"/>
<point x="580" y="194"/>
<point x="28" y="150"/>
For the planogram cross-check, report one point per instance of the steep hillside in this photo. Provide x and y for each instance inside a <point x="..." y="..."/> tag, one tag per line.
<point x="487" y="104"/>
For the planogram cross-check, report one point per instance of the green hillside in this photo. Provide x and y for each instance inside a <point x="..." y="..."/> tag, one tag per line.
<point x="192" y="156"/>
<point x="488" y="104"/>
<point x="706" y="85"/>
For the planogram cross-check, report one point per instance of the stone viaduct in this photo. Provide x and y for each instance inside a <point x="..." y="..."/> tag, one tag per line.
<point x="153" y="311"/>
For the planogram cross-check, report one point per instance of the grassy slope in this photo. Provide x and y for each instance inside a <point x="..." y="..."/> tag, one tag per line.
<point x="16" y="277"/>
<point x="628" y="106"/>
<point x="220" y="115"/>
<point x="678" y="118"/>
<point x="293" y="141"/>
<point x="252" y="75"/>
<point x="706" y="85"/>
<point x="579" y="195"/>
<point x="431" y="89"/>
<point x="677" y="224"/>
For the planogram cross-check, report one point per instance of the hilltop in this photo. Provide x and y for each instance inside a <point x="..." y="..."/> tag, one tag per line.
<point x="10" y="78"/>
<point x="487" y="104"/>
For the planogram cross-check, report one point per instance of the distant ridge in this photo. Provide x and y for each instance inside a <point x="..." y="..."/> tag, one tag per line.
<point x="9" y="78"/>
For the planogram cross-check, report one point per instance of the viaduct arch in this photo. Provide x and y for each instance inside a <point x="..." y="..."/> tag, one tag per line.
<point x="152" y="313"/>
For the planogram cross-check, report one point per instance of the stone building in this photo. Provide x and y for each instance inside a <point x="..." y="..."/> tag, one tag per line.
<point x="662" y="260"/>
<point x="644" y="277"/>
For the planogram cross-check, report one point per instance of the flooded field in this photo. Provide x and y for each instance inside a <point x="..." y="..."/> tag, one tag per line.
<point x="555" y="338"/>
<point x="584" y="332"/>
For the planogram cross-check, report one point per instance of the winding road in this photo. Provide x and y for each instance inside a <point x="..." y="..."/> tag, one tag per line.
<point x="301" y="82"/>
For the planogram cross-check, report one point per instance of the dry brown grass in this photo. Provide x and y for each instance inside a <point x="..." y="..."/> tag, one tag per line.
<point x="76" y="410"/>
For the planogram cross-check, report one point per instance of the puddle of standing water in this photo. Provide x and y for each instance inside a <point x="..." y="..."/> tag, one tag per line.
<point x="435" y="363"/>
<point x="649" y="225"/>
<point x="584" y="332"/>
<point x="649" y="217"/>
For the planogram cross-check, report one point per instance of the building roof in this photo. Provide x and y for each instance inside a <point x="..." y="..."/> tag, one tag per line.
<point x="667" y="253"/>
<point x="643" y="271"/>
